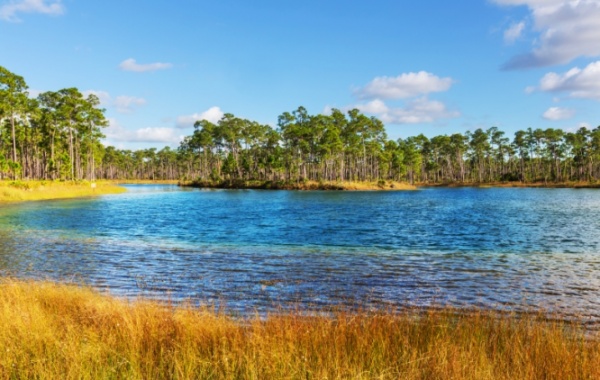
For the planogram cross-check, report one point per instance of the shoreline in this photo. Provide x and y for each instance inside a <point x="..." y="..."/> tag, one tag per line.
<point x="377" y="186"/>
<point x="303" y="185"/>
<point x="541" y="185"/>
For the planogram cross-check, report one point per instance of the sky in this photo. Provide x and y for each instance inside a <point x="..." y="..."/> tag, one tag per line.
<point x="430" y="66"/>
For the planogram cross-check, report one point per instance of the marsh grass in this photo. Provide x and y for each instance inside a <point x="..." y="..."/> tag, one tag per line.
<point x="18" y="191"/>
<point x="302" y="185"/>
<point x="58" y="331"/>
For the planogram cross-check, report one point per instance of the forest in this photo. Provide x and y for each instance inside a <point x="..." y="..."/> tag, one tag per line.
<point x="58" y="136"/>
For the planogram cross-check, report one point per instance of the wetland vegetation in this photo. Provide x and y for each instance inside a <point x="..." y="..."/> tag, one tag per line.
<point x="71" y="332"/>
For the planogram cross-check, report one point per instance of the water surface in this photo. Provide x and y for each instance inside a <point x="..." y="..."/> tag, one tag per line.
<point x="253" y="249"/>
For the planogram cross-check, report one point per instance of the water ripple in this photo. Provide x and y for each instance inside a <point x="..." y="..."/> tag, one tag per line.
<point x="498" y="248"/>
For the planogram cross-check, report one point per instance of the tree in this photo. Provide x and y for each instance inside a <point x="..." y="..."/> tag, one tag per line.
<point x="13" y="103"/>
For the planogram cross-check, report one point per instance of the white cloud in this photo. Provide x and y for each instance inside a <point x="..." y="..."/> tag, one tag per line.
<point x="158" y="135"/>
<point x="404" y="86"/>
<point x="122" y="103"/>
<point x="514" y="32"/>
<point x="417" y="111"/>
<point x="126" y="104"/>
<point x="375" y="106"/>
<point x="558" y="113"/>
<point x="576" y="82"/>
<point x="567" y="29"/>
<point x="131" y="65"/>
<point x="9" y="11"/>
<point x="117" y="133"/>
<point x="103" y="96"/>
<point x="213" y="114"/>
<point x="33" y="93"/>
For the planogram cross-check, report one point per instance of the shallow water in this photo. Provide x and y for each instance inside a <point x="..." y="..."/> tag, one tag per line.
<point x="251" y="249"/>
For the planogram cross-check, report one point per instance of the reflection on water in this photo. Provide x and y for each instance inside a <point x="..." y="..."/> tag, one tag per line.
<point x="501" y="248"/>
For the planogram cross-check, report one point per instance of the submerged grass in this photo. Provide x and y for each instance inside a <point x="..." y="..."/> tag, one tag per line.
<point x="52" y="331"/>
<point x="18" y="191"/>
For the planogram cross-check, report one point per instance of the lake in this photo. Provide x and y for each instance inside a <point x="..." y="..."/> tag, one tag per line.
<point x="501" y="248"/>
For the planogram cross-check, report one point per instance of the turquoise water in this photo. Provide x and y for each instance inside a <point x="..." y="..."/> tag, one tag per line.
<point x="251" y="249"/>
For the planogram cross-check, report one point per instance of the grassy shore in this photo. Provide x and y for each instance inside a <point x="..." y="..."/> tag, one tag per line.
<point x="61" y="331"/>
<point x="145" y="182"/>
<point x="374" y="186"/>
<point x="302" y="185"/>
<point x="18" y="191"/>
<point x="550" y="185"/>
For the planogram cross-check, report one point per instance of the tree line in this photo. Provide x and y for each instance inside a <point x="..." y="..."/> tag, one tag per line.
<point x="58" y="134"/>
<point x="353" y="147"/>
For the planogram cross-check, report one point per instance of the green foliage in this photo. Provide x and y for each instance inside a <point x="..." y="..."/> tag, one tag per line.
<point x="57" y="136"/>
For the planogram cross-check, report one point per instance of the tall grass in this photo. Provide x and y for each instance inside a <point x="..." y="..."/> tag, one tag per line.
<point x="302" y="185"/>
<point x="55" y="331"/>
<point x="18" y="191"/>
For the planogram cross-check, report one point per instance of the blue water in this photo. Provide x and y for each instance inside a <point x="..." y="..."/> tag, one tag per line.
<point x="254" y="250"/>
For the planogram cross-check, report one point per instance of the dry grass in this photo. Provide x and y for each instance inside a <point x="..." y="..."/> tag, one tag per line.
<point x="18" y="191"/>
<point x="303" y="185"/>
<point x="54" y="331"/>
<point x="145" y="181"/>
<point x="553" y="185"/>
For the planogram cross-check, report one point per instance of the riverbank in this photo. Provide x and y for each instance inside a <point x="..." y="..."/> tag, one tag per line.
<point x="302" y="185"/>
<point x="50" y="330"/>
<point x="144" y="181"/>
<point x="549" y="185"/>
<point x="19" y="191"/>
<point x="374" y="186"/>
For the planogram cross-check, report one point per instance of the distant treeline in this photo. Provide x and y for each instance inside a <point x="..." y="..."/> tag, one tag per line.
<point x="57" y="136"/>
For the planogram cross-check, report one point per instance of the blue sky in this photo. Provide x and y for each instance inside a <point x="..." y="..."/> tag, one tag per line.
<point x="429" y="66"/>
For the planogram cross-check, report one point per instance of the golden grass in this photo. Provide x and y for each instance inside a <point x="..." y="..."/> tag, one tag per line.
<point x="553" y="185"/>
<point x="18" y="191"/>
<point x="304" y="185"/>
<point x="144" y="181"/>
<point x="57" y="331"/>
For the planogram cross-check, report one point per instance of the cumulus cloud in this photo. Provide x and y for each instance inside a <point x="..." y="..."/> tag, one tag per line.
<point x="404" y="86"/>
<point x="578" y="83"/>
<point x="213" y="114"/>
<point x="122" y="103"/>
<point x="126" y="104"/>
<point x="567" y="29"/>
<point x="116" y="132"/>
<point x="131" y="65"/>
<point x="375" y="106"/>
<point x="34" y="93"/>
<point x="412" y="89"/>
<point x="103" y="96"/>
<point x="417" y="111"/>
<point x="558" y="113"/>
<point x="514" y="32"/>
<point x="9" y="11"/>
<point x="158" y="135"/>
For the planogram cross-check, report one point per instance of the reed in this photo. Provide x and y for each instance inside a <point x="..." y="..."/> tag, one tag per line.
<point x="19" y="191"/>
<point x="52" y="331"/>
